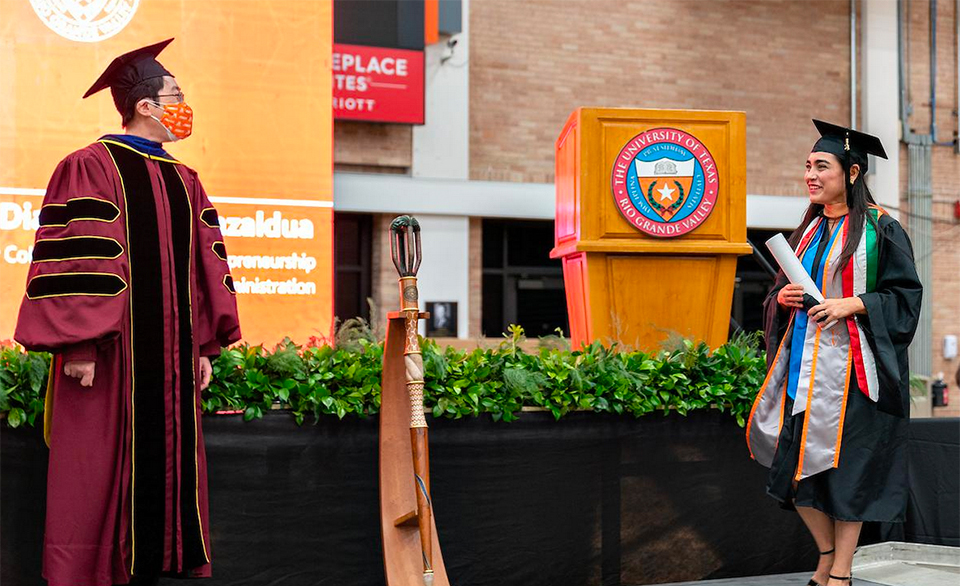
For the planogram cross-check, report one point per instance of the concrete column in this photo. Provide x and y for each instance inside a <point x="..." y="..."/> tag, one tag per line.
<point x="441" y="147"/>
<point x="441" y="150"/>
<point x="881" y="97"/>
<point x="444" y="275"/>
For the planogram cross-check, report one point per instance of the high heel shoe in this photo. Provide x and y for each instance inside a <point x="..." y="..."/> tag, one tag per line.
<point x="813" y="582"/>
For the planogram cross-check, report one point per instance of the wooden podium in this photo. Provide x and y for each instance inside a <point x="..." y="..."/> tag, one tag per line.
<point x="650" y="220"/>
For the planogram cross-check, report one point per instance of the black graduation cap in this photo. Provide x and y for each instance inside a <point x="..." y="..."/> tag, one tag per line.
<point x="129" y="70"/>
<point x="847" y="144"/>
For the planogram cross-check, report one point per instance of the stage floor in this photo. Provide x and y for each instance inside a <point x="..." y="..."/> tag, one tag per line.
<point x="778" y="580"/>
<point x="893" y="574"/>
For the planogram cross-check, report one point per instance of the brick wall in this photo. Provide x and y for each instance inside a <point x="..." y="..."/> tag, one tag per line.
<point x="781" y="61"/>
<point x="945" y="230"/>
<point x="533" y="62"/>
<point x="363" y="146"/>
<point x="918" y="67"/>
<point x="383" y="283"/>
<point x="946" y="268"/>
<point x="945" y="290"/>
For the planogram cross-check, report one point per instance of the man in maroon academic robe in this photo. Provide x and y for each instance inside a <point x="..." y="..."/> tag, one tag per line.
<point x="131" y="292"/>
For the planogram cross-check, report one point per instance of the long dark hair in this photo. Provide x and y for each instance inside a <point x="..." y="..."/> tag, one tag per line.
<point x="859" y="200"/>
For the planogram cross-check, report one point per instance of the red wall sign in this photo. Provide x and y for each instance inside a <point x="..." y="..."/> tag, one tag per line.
<point x="377" y="84"/>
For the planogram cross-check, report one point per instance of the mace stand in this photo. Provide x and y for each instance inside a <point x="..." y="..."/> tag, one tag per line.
<point x="402" y="557"/>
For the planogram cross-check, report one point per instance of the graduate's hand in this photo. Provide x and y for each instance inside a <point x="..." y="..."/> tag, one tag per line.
<point x="791" y="296"/>
<point x="836" y="309"/>
<point x="81" y="369"/>
<point x="206" y="370"/>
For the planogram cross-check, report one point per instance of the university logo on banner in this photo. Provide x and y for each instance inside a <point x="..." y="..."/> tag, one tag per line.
<point x="665" y="182"/>
<point x="87" y="21"/>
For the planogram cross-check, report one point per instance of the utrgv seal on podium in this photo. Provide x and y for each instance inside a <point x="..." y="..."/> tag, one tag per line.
<point x="665" y="182"/>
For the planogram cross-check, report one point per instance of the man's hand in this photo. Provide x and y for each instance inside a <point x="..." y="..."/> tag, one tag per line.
<point x="791" y="296"/>
<point x="81" y="369"/>
<point x="205" y="371"/>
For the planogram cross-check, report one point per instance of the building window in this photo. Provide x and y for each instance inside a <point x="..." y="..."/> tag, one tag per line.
<point x="353" y="234"/>
<point x="521" y="283"/>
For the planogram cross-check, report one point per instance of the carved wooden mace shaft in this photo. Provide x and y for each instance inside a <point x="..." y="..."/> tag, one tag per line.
<point x="406" y="253"/>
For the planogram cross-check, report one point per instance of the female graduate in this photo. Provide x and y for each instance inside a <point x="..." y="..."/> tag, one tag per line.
<point x="831" y="417"/>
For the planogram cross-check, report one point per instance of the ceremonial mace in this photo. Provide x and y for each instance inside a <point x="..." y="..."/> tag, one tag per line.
<point x="406" y="253"/>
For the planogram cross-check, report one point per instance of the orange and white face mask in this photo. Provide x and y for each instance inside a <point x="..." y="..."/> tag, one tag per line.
<point x="177" y="120"/>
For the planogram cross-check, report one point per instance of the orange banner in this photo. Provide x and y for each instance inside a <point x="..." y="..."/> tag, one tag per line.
<point x="257" y="74"/>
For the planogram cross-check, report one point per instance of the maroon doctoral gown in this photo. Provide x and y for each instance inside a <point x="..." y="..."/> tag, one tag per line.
<point x="129" y="270"/>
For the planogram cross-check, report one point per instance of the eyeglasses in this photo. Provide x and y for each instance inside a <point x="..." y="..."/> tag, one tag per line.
<point x="179" y="96"/>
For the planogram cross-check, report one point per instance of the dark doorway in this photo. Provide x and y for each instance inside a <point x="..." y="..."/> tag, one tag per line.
<point x="521" y="283"/>
<point x="753" y="283"/>
<point x="353" y="234"/>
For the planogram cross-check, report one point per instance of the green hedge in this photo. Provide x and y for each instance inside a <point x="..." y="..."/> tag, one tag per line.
<point x="344" y="379"/>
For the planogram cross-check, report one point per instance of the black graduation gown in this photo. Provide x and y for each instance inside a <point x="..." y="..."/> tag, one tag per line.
<point x="870" y="481"/>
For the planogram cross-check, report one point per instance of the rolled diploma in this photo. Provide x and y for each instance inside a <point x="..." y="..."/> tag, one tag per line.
<point x="793" y="269"/>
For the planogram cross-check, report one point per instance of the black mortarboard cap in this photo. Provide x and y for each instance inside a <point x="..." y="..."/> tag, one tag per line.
<point x="129" y="70"/>
<point x="849" y="145"/>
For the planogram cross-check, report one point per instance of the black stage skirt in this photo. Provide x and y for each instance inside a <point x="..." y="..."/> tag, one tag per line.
<point x="870" y="481"/>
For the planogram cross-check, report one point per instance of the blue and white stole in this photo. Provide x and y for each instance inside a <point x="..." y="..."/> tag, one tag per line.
<point x="813" y="366"/>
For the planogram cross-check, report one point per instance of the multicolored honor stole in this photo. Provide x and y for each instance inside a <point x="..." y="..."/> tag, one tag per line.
<point x="815" y="365"/>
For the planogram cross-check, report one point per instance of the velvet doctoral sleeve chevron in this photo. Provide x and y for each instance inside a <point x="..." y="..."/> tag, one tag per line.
<point x="76" y="291"/>
<point x="218" y="324"/>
